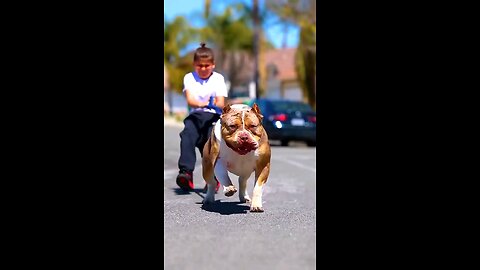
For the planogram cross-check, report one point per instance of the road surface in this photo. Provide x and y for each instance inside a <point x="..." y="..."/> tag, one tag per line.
<point x="227" y="235"/>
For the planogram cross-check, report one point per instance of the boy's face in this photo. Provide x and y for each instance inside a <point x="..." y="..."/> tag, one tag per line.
<point x="204" y="68"/>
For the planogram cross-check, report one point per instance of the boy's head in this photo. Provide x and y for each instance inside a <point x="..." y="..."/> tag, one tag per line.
<point x="203" y="61"/>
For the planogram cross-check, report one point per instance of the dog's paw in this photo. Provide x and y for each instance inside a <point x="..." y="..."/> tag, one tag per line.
<point x="256" y="205"/>
<point x="230" y="190"/>
<point x="208" y="199"/>
<point x="245" y="199"/>
<point x="256" y="209"/>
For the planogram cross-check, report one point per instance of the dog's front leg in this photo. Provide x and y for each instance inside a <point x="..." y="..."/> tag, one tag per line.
<point x="261" y="175"/>
<point x="222" y="175"/>
<point x="242" y="183"/>
<point x="210" y="154"/>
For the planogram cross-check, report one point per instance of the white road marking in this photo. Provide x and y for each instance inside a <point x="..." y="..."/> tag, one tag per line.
<point x="303" y="157"/>
<point x="297" y="164"/>
<point x="172" y="153"/>
<point x="169" y="174"/>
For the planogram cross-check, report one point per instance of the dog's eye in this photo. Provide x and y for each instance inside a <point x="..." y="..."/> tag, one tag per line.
<point x="253" y="126"/>
<point x="232" y="126"/>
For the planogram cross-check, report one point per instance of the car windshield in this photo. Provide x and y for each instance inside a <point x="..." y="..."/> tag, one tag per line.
<point x="290" y="106"/>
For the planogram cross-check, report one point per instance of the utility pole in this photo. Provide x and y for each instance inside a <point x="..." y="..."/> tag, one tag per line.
<point x="170" y="92"/>
<point x="256" y="37"/>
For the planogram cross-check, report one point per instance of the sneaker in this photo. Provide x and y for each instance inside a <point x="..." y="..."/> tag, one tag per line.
<point x="185" y="180"/>
<point x="216" y="188"/>
<point x="218" y="185"/>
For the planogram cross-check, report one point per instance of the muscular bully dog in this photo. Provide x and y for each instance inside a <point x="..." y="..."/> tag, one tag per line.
<point x="238" y="144"/>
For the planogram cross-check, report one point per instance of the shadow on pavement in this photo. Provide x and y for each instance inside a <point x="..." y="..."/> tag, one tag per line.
<point x="179" y="191"/>
<point x="226" y="208"/>
<point x="223" y="208"/>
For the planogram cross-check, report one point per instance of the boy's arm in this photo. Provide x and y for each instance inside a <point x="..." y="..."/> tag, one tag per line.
<point x="221" y="93"/>
<point x="192" y="102"/>
<point x="220" y="101"/>
<point x="188" y="81"/>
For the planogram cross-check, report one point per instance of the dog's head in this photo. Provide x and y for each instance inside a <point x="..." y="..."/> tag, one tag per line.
<point x="242" y="127"/>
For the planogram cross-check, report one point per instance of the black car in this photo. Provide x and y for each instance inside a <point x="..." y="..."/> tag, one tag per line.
<point x="287" y="120"/>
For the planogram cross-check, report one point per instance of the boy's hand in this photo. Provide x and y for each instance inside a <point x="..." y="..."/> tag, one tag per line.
<point x="193" y="102"/>
<point x="211" y="105"/>
<point x="211" y="102"/>
<point x="203" y="104"/>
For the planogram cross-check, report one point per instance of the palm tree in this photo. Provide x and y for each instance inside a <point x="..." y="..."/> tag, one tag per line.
<point x="238" y="39"/>
<point x="231" y="38"/>
<point x="178" y="34"/>
<point x="303" y="14"/>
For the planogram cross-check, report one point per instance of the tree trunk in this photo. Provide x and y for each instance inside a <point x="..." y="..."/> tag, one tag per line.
<point x="256" y="35"/>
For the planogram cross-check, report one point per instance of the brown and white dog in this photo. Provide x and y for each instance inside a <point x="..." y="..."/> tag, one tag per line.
<point x="238" y="144"/>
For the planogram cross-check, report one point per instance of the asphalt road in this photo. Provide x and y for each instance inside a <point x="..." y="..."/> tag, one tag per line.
<point x="226" y="235"/>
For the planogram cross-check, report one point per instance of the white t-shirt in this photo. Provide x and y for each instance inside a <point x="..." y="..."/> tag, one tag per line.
<point x="203" y="89"/>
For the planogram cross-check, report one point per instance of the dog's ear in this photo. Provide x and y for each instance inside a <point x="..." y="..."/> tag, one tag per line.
<point x="257" y="111"/>
<point x="226" y="108"/>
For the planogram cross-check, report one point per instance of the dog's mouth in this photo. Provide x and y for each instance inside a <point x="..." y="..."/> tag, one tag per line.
<point x="242" y="146"/>
<point x="243" y="149"/>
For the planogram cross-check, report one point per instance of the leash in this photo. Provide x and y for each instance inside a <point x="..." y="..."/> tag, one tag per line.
<point x="211" y="105"/>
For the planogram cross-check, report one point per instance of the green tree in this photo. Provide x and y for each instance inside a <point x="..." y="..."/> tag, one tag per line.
<point x="303" y="14"/>
<point x="231" y="37"/>
<point x="232" y="32"/>
<point x="178" y="34"/>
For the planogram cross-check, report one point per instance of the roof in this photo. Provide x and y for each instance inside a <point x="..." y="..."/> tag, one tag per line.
<point x="243" y="66"/>
<point x="284" y="60"/>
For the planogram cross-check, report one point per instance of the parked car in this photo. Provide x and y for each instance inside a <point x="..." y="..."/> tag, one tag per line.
<point x="286" y="120"/>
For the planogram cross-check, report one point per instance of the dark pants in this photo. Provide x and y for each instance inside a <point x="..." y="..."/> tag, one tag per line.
<point x="198" y="126"/>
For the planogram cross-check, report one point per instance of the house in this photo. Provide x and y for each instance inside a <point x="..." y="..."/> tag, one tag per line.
<point x="281" y="77"/>
<point x="277" y="75"/>
<point x="237" y="69"/>
<point x="277" y="71"/>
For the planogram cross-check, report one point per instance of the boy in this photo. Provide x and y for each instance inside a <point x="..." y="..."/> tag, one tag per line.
<point x="199" y="86"/>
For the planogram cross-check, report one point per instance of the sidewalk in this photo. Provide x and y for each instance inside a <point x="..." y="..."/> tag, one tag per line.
<point x="171" y="121"/>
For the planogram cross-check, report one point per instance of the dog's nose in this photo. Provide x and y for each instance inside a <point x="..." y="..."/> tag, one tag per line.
<point x="243" y="137"/>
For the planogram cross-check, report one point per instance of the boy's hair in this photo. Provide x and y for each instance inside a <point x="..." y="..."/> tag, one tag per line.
<point x="203" y="53"/>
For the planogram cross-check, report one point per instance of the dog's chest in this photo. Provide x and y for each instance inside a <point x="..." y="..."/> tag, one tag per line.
<point x="236" y="163"/>
<point x="232" y="161"/>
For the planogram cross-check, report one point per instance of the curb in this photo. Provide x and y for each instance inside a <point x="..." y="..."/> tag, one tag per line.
<point x="169" y="121"/>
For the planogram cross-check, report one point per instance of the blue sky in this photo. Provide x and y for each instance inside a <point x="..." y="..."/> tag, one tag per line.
<point x="190" y="8"/>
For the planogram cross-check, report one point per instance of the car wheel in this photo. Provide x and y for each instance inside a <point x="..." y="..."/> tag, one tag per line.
<point x="284" y="142"/>
<point x="311" y="143"/>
